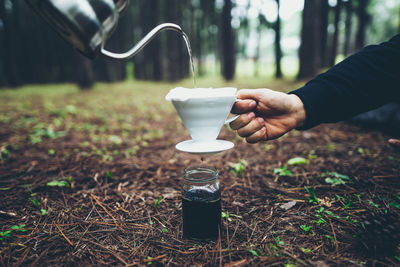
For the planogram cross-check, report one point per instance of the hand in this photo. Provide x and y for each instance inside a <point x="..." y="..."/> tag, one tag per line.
<point x="266" y="114"/>
<point x="395" y="143"/>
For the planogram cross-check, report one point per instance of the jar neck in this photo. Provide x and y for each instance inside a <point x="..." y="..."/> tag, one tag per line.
<point x="200" y="175"/>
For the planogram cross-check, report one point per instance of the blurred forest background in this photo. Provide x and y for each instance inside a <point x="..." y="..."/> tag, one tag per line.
<point x="228" y="38"/>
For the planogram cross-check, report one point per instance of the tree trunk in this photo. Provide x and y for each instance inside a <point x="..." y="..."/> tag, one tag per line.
<point x="278" y="51"/>
<point x="324" y="32"/>
<point x="335" y="36"/>
<point x="363" y="20"/>
<point x="348" y="26"/>
<point x="198" y="24"/>
<point x="309" y="53"/>
<point x="258" y="47"/>
<point x="228" y="42"/>
<point x="182" y="49"/>
<point x="84" y="75"/>
<point x="174" y="43"/>
<point x="9" y="48"/>
<point x="148" y="64"/>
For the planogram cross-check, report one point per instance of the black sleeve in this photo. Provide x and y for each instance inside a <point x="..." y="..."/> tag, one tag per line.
<point x="363" y="81"/>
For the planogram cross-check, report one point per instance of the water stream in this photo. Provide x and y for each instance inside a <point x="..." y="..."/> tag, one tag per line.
<point x="186" y="38"/>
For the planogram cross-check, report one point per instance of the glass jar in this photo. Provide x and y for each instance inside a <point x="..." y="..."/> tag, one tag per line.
<point x="201" y="203"/>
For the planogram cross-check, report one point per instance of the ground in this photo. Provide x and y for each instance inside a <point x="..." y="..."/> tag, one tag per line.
<point x="92" y="177"/>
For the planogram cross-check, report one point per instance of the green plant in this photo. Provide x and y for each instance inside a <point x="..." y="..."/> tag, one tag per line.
<point x="252" y="251"/>
<point x="297" y="161"/>
<point x="158" y="201"/>
<point x="335" y="178"/>
<point x="279" y="241"/>
<point x="239" y="168"/>
<point x="39" y="131"/>
<point x="312" y="198"/>
<point x="20" y="228"/>
<point x="4" y="152"/>
<point x="7" y="233"/>
<point x="374" y="204"/>
<point x="305" y="228"/>
<point x="34" y="200"/>
<point x="228" y="216"/>
<point x="283" y="171"/>
<point x="319" y="214"/>
<point x="109" y="176"/>
<point x="61" y="183"/>
<point x="115" y="140"/>
<point x="305" y="250"/>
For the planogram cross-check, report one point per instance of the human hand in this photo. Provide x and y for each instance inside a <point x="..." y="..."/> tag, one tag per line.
<point x="266" y="114"/>
<point x="395" y="143"/>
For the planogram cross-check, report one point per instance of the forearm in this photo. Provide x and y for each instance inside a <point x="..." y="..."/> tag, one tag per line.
<point x="363" y="81"/>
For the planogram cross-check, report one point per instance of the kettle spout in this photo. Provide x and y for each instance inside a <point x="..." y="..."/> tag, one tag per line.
<point x="142" y="43"/>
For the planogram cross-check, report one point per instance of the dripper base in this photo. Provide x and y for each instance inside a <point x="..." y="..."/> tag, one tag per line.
<point x="204" y="147"/>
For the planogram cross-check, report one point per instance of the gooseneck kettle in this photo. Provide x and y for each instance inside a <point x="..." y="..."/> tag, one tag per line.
<point x="87" y="24"/>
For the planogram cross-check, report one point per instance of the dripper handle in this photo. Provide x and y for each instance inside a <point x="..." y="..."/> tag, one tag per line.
<point x="234" y="117"/>
<point x="231" y="119"/>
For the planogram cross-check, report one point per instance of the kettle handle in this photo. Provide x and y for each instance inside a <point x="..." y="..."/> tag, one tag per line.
<point x="142" y="43"/>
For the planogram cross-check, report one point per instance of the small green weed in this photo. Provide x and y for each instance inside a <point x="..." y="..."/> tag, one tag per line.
<point x="158" y="201"/>
<point x="374" y="204"/>
<point x="4" y="152"/>
<point x="34" y="200"/>
<point x="239" y="168"/>
<point x="279" y="241"/>
<point x="283" y="171"/>
<point x="109" y="176"/>
<point x="312" y="198"/>
<point x="39" y="132"/>
<point x="297" y="161"/>
<point x="114" y="139"/>
<point x="252" y="251"/>
<point x="335" y="178"/>
<point x="305" y="228"/>
<point x="305" y="250"/>
<point x="7" y="233"/>
<point x="61" y="183"/>
<point x="228" y="216"/>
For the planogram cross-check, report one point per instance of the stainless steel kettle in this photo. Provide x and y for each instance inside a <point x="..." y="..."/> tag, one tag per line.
<point x="87" y="24"/>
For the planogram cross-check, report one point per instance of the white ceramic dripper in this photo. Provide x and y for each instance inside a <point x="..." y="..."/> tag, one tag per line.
<point x="203" y="112"/>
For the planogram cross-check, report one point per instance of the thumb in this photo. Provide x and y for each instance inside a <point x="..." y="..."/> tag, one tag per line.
<point x="395" y="142"/>
<point x="249" y="99"/>
<point x="255" y="94"/>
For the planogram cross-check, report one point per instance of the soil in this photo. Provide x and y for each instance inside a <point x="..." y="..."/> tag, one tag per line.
<point x="107" y="213"/>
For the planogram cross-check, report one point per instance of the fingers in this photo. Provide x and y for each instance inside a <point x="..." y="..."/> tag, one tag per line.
<point x="244" y="106"/>
<point x="252" y="127"/>
<point x="395" y="142"/>
<point x="242" y="120"/>
<point x="260" y="135"/>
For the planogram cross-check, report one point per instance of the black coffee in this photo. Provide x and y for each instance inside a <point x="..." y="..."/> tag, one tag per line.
<point x="201" y="214"/>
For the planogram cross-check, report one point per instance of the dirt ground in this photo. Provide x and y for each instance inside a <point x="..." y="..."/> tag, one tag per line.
<point x="93" y="178"/>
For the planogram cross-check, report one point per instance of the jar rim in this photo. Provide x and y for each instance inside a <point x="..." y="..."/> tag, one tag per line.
<point x="189" y="171"/>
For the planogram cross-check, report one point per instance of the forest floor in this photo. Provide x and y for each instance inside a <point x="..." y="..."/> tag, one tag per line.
<point x="93" y="177"/>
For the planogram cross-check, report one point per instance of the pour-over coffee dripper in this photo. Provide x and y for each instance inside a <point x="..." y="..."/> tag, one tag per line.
<point x="203" y="112"/>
